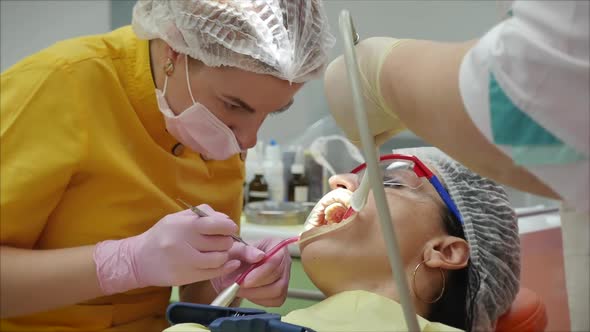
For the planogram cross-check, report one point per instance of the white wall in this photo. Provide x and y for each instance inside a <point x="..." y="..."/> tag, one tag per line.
<point x="29" y="26"/>
<point x="439" y="20"/>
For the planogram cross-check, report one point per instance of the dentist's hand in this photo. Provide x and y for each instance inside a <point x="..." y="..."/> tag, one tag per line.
<point x="180" y="249"/>
<point x="383" y="122"/>
<point x="267" y="284"/>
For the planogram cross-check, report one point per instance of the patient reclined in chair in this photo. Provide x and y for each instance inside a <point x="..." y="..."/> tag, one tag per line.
<point x="462" y="264"/>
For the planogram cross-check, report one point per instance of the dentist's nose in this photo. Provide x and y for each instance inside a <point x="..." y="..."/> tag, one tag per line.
<point x="247" y="139"/>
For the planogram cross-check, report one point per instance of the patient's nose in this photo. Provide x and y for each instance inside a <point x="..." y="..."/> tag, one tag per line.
<point x="347" y="181"/>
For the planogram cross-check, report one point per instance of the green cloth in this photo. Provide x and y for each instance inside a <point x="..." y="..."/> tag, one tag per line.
<point x="529" y="142"/>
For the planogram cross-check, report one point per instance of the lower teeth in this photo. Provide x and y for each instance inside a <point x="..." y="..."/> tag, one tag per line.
<point x="334" y="213"/>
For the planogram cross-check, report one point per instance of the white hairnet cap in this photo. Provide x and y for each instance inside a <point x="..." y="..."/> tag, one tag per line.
<point x="491" y="229"/>
<point x="284" y="38"/>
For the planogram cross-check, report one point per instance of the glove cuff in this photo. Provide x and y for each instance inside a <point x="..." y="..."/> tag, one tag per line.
<point x="382" y="59"/>
<point x="115" y="267"/>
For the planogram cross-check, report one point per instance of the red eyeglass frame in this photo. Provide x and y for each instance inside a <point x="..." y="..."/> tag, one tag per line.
<point x="421" y="170"/>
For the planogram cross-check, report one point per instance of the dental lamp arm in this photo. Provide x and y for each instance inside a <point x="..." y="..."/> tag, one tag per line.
<point x="362" y="115"/>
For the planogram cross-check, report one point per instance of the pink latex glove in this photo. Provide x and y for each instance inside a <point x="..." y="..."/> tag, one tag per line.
<point x="267" y="284"/>
<point x="180" y="249"/>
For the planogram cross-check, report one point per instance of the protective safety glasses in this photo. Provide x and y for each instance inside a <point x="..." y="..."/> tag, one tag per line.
<point x="399" y="170"/>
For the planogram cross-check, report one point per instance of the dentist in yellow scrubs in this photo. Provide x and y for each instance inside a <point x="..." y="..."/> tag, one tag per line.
<point x="101" y="135"/>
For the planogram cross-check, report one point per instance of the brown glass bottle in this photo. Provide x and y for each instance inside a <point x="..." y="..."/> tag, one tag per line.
<point x="298" y="185"/>
<point x="258" y="188"/>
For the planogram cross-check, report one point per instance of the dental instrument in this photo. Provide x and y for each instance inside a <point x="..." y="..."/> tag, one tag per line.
<point x="228" y="295"/>
<point x="350" y="38"/>
<point x="358" y="198"/>
<point x="201" y="213"/>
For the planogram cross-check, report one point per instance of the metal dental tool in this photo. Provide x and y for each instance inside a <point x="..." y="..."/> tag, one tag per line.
<point x="350" y="38"/>
<point x="201" y="213"/>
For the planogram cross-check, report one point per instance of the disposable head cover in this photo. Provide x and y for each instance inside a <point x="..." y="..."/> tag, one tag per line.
<point x="284" y="38"/>
<point x="490" y="227"/>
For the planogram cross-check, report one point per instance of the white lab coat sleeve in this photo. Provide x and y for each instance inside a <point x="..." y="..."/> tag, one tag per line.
<point x="538" y="61"/>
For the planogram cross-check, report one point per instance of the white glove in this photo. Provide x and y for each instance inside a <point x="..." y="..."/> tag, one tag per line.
<point x="383" y="122"/>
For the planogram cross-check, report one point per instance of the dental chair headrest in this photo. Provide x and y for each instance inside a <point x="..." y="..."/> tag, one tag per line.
<point x="527" y="314"/>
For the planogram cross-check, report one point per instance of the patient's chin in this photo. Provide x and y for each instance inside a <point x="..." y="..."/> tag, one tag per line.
<point x="319" y="266"/>
<point x="320" y="248"/>
<point x="310" y="250"/>
<point x="324" y="252"/>
<point x="335" y="232"/>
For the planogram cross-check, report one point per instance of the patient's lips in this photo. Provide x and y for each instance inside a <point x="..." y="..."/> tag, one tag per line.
<point x="329" y="210"/>
<point x="327" y="216"/>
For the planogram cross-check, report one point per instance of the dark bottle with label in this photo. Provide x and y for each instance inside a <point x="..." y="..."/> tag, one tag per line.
<point x="298" y="186"/>
<point x="258" y="188"/>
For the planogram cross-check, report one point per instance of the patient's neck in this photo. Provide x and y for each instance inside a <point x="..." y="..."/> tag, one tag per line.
<point x="377" y="281"/>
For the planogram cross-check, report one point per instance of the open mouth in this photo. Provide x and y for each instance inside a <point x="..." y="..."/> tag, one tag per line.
<point x="328" y="214"/>
<point x="334" y="213"/>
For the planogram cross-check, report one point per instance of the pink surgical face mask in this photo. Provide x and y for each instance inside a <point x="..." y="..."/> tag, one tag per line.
<point x="197" y="127"/>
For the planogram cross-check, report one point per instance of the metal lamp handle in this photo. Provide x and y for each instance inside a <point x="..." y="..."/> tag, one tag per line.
<point x="350" y="38"/>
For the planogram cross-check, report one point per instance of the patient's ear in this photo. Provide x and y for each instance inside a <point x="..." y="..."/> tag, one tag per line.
<point x="447" y="252"/>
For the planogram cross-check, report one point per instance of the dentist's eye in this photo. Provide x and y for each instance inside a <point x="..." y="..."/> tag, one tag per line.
<point x="230" y="106"/>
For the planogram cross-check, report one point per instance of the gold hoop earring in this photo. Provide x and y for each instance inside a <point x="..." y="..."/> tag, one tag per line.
<point x="169" y="67"/>
<point x="442" y="274"/>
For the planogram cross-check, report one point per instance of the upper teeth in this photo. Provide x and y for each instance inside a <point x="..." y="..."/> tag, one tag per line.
<point x="329" y="205"/>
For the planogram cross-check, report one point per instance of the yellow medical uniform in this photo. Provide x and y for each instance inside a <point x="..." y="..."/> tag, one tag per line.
<point x="86" y="157"/>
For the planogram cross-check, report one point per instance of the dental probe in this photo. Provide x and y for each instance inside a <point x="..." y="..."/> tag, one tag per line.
<point x="201" y="213"/>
